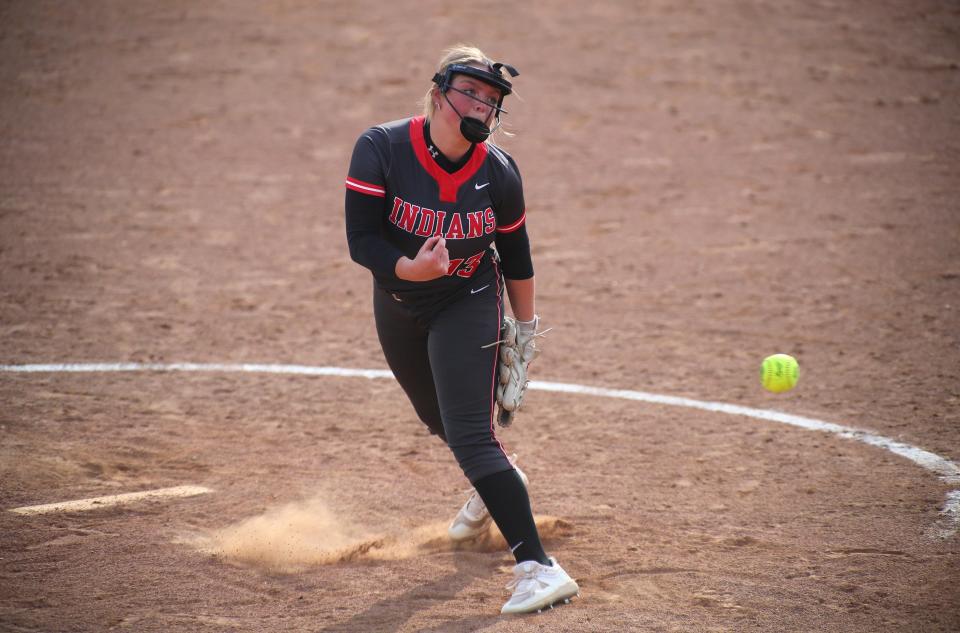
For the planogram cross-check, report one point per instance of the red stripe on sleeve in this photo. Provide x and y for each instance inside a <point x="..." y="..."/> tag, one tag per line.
<point x="513" y="227"/>
<point x="366" y="187"/>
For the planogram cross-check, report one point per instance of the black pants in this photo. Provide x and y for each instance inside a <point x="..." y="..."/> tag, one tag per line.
<point x="438" y="358"/>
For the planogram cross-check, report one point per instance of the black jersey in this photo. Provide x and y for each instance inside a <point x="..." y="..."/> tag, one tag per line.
<point x="416" y="198"/>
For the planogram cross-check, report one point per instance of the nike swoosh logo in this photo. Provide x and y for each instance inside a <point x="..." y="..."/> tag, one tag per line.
<point x="478" y="186"/>
<point x="476" y="290"/>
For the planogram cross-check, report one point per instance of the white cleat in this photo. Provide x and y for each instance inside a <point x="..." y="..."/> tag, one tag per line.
<point x="473" y="518"/>
<point x="537" y="587"/>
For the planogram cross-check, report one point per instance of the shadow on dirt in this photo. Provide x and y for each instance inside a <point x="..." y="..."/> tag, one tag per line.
<point x="390" y="614"/>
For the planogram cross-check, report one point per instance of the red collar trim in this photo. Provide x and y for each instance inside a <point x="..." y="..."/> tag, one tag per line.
<point x="449" y="183"/>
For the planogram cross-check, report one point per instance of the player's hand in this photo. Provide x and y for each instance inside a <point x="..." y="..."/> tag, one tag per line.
<point x="431" y="262"/>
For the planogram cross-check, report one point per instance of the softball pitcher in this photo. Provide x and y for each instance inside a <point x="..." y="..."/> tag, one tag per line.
<point x="427" y="198"/>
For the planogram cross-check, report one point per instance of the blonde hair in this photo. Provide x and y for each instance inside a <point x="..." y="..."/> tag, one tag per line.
<point x="457" y="54"/>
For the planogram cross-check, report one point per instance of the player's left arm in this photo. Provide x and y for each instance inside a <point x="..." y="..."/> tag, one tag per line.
<point x="512" y="241"/>
<point x="518" y="346"/>
<point x="522" y="294"/>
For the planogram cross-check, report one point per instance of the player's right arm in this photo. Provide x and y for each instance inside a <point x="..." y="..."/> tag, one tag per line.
<point x="364" y="204"/>
<point x="431" y="262"/>
<point x="364" y="211"/>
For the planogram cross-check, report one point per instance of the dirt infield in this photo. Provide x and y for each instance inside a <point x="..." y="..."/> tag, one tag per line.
<point x="708" y="183"/>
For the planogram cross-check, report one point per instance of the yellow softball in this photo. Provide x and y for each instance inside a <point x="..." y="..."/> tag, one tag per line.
<point x="779" y="373"/>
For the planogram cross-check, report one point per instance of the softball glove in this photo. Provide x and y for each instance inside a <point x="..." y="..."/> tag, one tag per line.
<point x="517" y="350"/>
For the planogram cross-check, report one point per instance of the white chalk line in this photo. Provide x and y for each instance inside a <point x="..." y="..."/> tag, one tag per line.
<point x="94" y="503"/>
<point x="946" y="470"/>
<point x="951" y="509"/>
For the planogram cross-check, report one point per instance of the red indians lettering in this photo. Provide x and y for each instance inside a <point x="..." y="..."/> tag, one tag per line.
<point x="426" y="222"/>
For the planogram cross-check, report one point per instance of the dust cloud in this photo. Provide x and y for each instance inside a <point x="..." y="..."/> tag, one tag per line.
<point x="287" y="538"/>
<point x="304" y="534"/>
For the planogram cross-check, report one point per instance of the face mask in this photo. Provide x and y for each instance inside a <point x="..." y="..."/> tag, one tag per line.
<point x="474" y="130"/>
